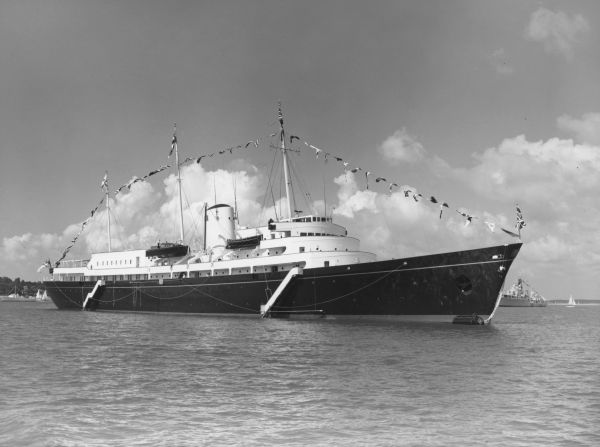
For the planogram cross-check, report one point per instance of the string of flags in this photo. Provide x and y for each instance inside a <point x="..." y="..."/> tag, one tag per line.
<point x="135" y="179"/>
<point x="408" y="191"/>
<point x="104" y="184"/>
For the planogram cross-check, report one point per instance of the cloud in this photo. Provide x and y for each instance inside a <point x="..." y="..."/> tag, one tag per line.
<point x="500" y="61"/>
<point x="392" y="225"/>
<point x="554" y="171"/>
<point x="402" y="147"/>
<point x="556" y="30"/>
<point x="586" y="129"/>
<point x="28" y="249"/>
<point x="351" y="200"/>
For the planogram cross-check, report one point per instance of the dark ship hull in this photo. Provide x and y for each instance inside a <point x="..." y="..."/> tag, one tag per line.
<point x="450" y="284"/>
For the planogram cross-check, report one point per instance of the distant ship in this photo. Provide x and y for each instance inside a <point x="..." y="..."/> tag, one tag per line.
<point x="520" y="296"/>
<point x="299" y="264"/>
<point x="571" y="302"/>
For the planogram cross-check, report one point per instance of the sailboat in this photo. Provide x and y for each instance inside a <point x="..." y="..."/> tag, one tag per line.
<point x="295" y="264"/>
<point x="571" y="302"/>
<point x="15" y="295"/>
<point x="41" y="296"/>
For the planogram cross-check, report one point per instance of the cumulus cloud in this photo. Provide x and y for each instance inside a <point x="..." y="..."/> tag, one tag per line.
<point x="351" y="199"/>
<point x="586" y="129"/>
<point x="393" y="225"/>
<point x="556" y="30"/>
<point x="402" y="147"/>
<point x="29" y="249"/>
<point x="554" y="171"/>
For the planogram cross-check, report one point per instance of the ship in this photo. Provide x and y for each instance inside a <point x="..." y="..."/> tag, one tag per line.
<point x="521" y="294"/>
<point x="296" y="265"/>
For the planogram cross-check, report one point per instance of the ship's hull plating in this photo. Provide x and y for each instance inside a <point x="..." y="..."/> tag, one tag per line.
<point x="457" y="283"/>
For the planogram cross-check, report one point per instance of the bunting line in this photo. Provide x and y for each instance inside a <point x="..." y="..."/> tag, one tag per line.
<point x="135" y="179"/>
<point x="409" y="192"/>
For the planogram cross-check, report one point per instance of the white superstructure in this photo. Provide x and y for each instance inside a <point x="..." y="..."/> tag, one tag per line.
<point x="305" y="241"/>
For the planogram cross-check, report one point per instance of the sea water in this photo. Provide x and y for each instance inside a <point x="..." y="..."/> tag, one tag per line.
<point x="71" y="378"/>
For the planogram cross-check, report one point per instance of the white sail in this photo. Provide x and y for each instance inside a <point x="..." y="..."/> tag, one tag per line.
<point x="571" y="302"/>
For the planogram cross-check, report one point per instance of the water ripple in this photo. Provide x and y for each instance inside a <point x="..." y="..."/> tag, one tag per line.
<point x="98" y="379"/>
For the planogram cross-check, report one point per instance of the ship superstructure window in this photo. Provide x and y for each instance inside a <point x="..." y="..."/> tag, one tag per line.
<point x="301" y="249"/>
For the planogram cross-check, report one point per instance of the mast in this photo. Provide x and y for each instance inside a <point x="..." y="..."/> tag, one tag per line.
<point x="104" y="186"/>
<point x="174" y="147"/>
<point x="204" y="236"/>
<point x="235" y="209"/>
<point x="285" y="164"/>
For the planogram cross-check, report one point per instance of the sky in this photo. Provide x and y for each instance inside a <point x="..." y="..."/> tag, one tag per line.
<point x="482" y="104"/>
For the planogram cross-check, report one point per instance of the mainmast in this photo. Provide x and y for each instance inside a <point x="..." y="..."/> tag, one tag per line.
<point x="174" y="148"/>
<point x="285" y="164"/>
<point x="104" y="186"/>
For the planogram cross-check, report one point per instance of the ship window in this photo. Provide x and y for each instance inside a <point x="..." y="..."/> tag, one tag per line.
<point x="326" y="263"/>
<point x="301" y="249"/>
